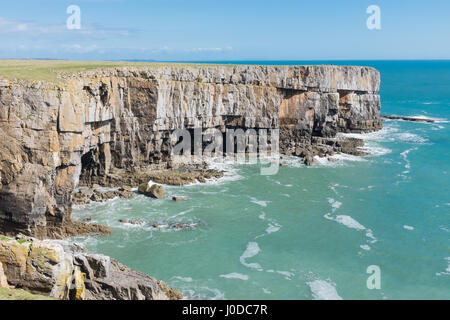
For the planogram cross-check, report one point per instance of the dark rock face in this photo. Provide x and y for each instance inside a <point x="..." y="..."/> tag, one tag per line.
<point x="95" y="125"/>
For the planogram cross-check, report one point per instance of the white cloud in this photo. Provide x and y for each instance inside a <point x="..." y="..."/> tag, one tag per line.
<point x="210" y="49"/>
<point x="17" y="27"/>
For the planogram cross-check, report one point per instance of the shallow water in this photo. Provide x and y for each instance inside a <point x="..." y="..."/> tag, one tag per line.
<point x="311" y="233"/>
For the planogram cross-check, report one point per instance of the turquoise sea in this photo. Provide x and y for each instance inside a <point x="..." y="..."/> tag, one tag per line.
<point x="311" y="233"/>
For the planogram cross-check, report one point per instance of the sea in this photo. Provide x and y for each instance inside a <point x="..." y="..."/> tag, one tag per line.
<point x="372" y="227"/>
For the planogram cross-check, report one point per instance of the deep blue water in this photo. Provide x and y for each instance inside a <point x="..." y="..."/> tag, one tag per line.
<point x="311" y="233"/>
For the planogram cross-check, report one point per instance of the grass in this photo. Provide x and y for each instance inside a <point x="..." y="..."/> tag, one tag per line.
<point x="47" y="70"/>
<point x="16" y="294"/>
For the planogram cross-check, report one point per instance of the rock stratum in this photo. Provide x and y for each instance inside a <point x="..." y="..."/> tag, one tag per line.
<point x="90" y="126"/>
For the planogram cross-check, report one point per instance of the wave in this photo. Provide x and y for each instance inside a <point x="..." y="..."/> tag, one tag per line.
<point x="323" y="290"/>
<point x="389" y="133"/>
<point x="436" y="120"/>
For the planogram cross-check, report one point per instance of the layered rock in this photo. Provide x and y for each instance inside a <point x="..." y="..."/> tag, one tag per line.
<point x="63" y="270"/>
<point x="92" y="125"/>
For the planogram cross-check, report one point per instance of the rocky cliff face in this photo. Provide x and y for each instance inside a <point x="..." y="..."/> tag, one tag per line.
<point x="94" y="123"/>
<point x="66" y="271"/>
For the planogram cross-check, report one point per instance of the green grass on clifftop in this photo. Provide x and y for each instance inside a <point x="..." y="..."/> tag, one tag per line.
<point x="47" y="70"/>
<point x="16" y="294"/>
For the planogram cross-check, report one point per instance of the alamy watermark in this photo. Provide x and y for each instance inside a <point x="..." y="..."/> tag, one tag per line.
<point x="374" y="280"/>
<point x="248" y="146"/>
<point x="374" y="20"/>
<point x="74" y="20"/>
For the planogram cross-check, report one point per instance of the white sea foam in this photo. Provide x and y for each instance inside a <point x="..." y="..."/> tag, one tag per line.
<point x="273" y="228"/>
<point x="235" y="275"/>
<point x="184" y="279"/>
<point x="334" y="204"/>
<point x="389" y="133"/>
<point x="202" y="293"/>
<point x="436" y="120"/>
<point x="288" y="275"/>
<point x="267" y="291"/>
<point x="251" y="251"/>
<point x="447" y="271"/>
<point x="408" y="228"/>
<point x="351" y="223"/>
<point x="404" y="155"/>
<point x="365" y="247"/>
<point x="182" y="213"/>
<point x="346" y="221"/>
<point x="261" y="203"/>
<point x="323" y="290"/>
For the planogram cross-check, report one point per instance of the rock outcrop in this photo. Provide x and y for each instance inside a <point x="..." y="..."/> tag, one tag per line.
<point x="62" y="270"/>
<point x="92" y="125"/>
<point x="154" y="191"/>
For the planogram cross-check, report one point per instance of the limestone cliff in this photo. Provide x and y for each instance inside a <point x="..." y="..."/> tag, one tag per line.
<point x="91" y="123"/>
<point x="63" y="270"/>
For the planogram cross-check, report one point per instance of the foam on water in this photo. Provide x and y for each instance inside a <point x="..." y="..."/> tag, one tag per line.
<point x="334" y="204"/>
<point x="251" y="251"/>
<point x="347" y="221"/>
<point x="323" y="290"/>
<point x="261" y="203"/>
<point x="273" y="228"/>
<point x="409" y="228"/>
<point x="447" y="271"/>
<point x="235" y="275"/>
<point x="436" y="120"/>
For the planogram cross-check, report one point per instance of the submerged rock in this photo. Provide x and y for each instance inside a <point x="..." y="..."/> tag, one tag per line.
<point x="177" y="198"/>
<point x="63" y="270"/>
<point x="413" y="119"/>
<point x="175" y="226"/>
<point x="135" y="222"/>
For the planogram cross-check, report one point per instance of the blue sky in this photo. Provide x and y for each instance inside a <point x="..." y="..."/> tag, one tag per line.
<point x="225" y="30"/>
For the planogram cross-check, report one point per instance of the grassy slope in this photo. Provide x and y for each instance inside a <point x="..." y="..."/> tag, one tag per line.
<point x="15" y="294"/>
<point x="47" y="70"/>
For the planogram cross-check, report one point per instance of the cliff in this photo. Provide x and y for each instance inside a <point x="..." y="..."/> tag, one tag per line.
<point x="62" y="270"/>
<point x="88" y="125"/>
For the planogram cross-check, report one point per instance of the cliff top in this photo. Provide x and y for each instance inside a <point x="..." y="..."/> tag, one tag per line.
<point x="53" y="70"/>
<point x="48" y="70"/>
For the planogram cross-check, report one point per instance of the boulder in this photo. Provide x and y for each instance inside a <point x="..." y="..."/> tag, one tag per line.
<point x="154" y="191"/>
<point x="309" y="160"/>
<point x="176" y="198"/>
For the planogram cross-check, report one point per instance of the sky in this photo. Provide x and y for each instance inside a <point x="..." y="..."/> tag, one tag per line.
<point x="193" y="30"/>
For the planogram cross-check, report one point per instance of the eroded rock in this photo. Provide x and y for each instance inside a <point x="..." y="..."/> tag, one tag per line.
<point x="67" y="271"/>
